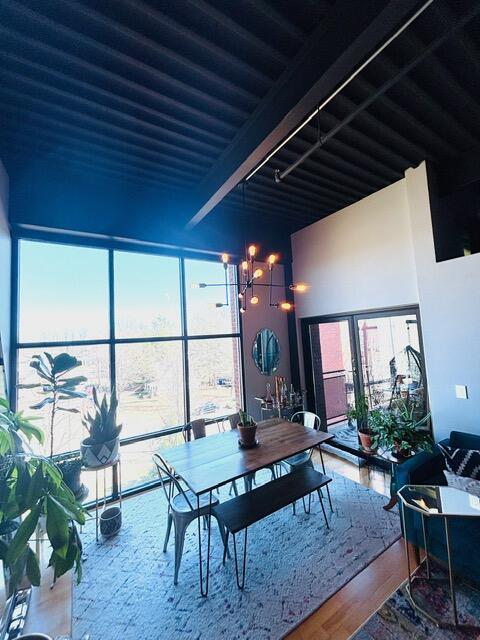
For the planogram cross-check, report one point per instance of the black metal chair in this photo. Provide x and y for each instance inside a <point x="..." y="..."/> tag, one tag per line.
<point x="181" y="509"/>
<point x="300" y="460"/>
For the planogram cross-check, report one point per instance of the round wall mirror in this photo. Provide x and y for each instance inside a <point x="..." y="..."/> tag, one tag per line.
<point x="266" y="352"/>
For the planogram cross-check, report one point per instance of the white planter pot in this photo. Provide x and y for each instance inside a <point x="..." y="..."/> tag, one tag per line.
<point x="97" y="455"/>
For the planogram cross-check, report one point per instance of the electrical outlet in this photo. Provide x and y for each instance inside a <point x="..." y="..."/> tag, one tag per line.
<point x="461" y="391"/>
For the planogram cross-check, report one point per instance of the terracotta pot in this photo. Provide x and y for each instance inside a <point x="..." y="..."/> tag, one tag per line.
<point x="366" y="442"/>
<point x="247" y="434"/>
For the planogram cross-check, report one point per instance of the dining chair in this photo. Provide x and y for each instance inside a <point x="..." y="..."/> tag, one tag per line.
<point x="233" y="419"/>
<point x="182" y="509"/>
<point x="299" y="460"/>
<point x="195" y="427"/>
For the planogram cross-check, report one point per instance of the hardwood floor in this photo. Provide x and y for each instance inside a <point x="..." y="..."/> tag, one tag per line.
<point x="352" y="605"/>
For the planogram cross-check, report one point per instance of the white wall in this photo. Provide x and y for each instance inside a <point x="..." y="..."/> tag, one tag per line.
<point x="5" y="253"/>
<point x="450" y="311"/>
<point x="379" y="252"/>
<point x="259" y="317"/>
<point x="361" y="257"/>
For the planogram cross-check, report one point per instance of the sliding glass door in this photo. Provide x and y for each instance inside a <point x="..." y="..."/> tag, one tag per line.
<point x="376" y="355"/>
<point x="333" y="368"/>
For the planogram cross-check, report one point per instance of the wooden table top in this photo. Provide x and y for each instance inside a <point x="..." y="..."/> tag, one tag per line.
<point x="209" y="462"/>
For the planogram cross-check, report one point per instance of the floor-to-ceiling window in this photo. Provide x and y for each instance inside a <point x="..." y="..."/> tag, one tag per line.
<point x="137" y="324"/>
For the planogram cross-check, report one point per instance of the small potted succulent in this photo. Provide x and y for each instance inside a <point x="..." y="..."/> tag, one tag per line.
<point x="247" y="429"/>
<point x="103" y="442"/>
<point x="361" y="414"/>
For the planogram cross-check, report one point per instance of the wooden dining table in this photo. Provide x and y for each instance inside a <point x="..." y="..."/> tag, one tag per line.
<point x="208" y="463"/>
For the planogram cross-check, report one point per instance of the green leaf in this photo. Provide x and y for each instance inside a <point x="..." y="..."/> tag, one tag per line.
<point x="33" y="568"/>
<point x="68" y="410"/>
<point x="71" y="509"/>
<point x="53" y="472"/>
<point x="23" y="535"/>
<point x="37" y="485"/>
<point x="41" y="404"/>
<point x="71" y="382"/>
<point x="3" y="549"/>
<point x="57" y="526"/>
<point x="33" y="432"/>
<point x="71" y="393"/>
<point x="29" y="386"/>
<point x="64" y="362"/>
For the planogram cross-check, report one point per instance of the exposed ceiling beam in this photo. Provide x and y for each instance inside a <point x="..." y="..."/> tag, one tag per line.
<point x="329" y="56"/>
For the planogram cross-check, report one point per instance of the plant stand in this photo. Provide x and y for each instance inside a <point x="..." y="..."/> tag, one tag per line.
<point x="98" y="501"/>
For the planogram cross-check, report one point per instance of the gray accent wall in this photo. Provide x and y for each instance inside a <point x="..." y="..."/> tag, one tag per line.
<point x="5" y="258"/>
<point x="259" y="317"/>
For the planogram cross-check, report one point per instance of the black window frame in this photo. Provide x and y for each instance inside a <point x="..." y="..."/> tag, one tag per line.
<point x="112" y="340"/>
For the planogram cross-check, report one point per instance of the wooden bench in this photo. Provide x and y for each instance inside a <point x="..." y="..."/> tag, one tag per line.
<point x="242" y="511"/>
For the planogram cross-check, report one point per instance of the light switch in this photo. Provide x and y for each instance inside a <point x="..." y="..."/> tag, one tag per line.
<point x="461" y="391"/>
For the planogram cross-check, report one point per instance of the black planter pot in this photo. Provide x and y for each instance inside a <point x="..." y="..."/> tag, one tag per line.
<point x="110" y="521"/>
<point x="72" y="480"/>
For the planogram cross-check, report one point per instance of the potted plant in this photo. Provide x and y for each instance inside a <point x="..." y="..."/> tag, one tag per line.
<point x="247" y="429"/>
<point x="70" y="464"/>
<point x="57" y="389"/>
<point x="102" y="444"/>
<point x="30" y="486"/>
<point x="398" y="430"/>
<point x="361" y="414"/>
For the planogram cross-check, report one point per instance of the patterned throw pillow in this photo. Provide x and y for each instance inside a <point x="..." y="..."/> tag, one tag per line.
<point x="464" y="484"/>
<point x="462" y="462"/>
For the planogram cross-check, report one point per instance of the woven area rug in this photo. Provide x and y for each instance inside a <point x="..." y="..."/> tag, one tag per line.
<point x="398" y="620"/>
<point x="294" y="565"/>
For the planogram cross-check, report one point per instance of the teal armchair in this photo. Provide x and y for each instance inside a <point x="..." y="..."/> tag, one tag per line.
<point x="427" y="468"/>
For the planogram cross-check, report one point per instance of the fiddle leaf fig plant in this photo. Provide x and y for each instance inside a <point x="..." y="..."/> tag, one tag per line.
<point x="56" y="387"/>
<point x="31" y="486"/>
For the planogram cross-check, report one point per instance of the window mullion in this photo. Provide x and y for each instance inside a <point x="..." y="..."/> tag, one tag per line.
<point x="186" y="372"/>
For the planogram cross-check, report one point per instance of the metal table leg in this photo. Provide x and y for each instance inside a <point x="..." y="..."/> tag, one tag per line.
<point x="96" y="505"/>
<point x="425" y="544"/>
<point x="450" y="572"/>
<point x="204" y="590"/>
<point x="324" y="473"/>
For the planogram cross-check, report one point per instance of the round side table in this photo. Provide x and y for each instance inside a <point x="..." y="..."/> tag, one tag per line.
<point x="104" y="467"/>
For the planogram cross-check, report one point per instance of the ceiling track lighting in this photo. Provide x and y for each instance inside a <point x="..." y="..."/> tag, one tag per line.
<point x="278" y="175"/>
<point x="249" y="275"/>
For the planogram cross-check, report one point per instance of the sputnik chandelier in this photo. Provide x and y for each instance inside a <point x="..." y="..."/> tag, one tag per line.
<point x="248" y="282"/>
